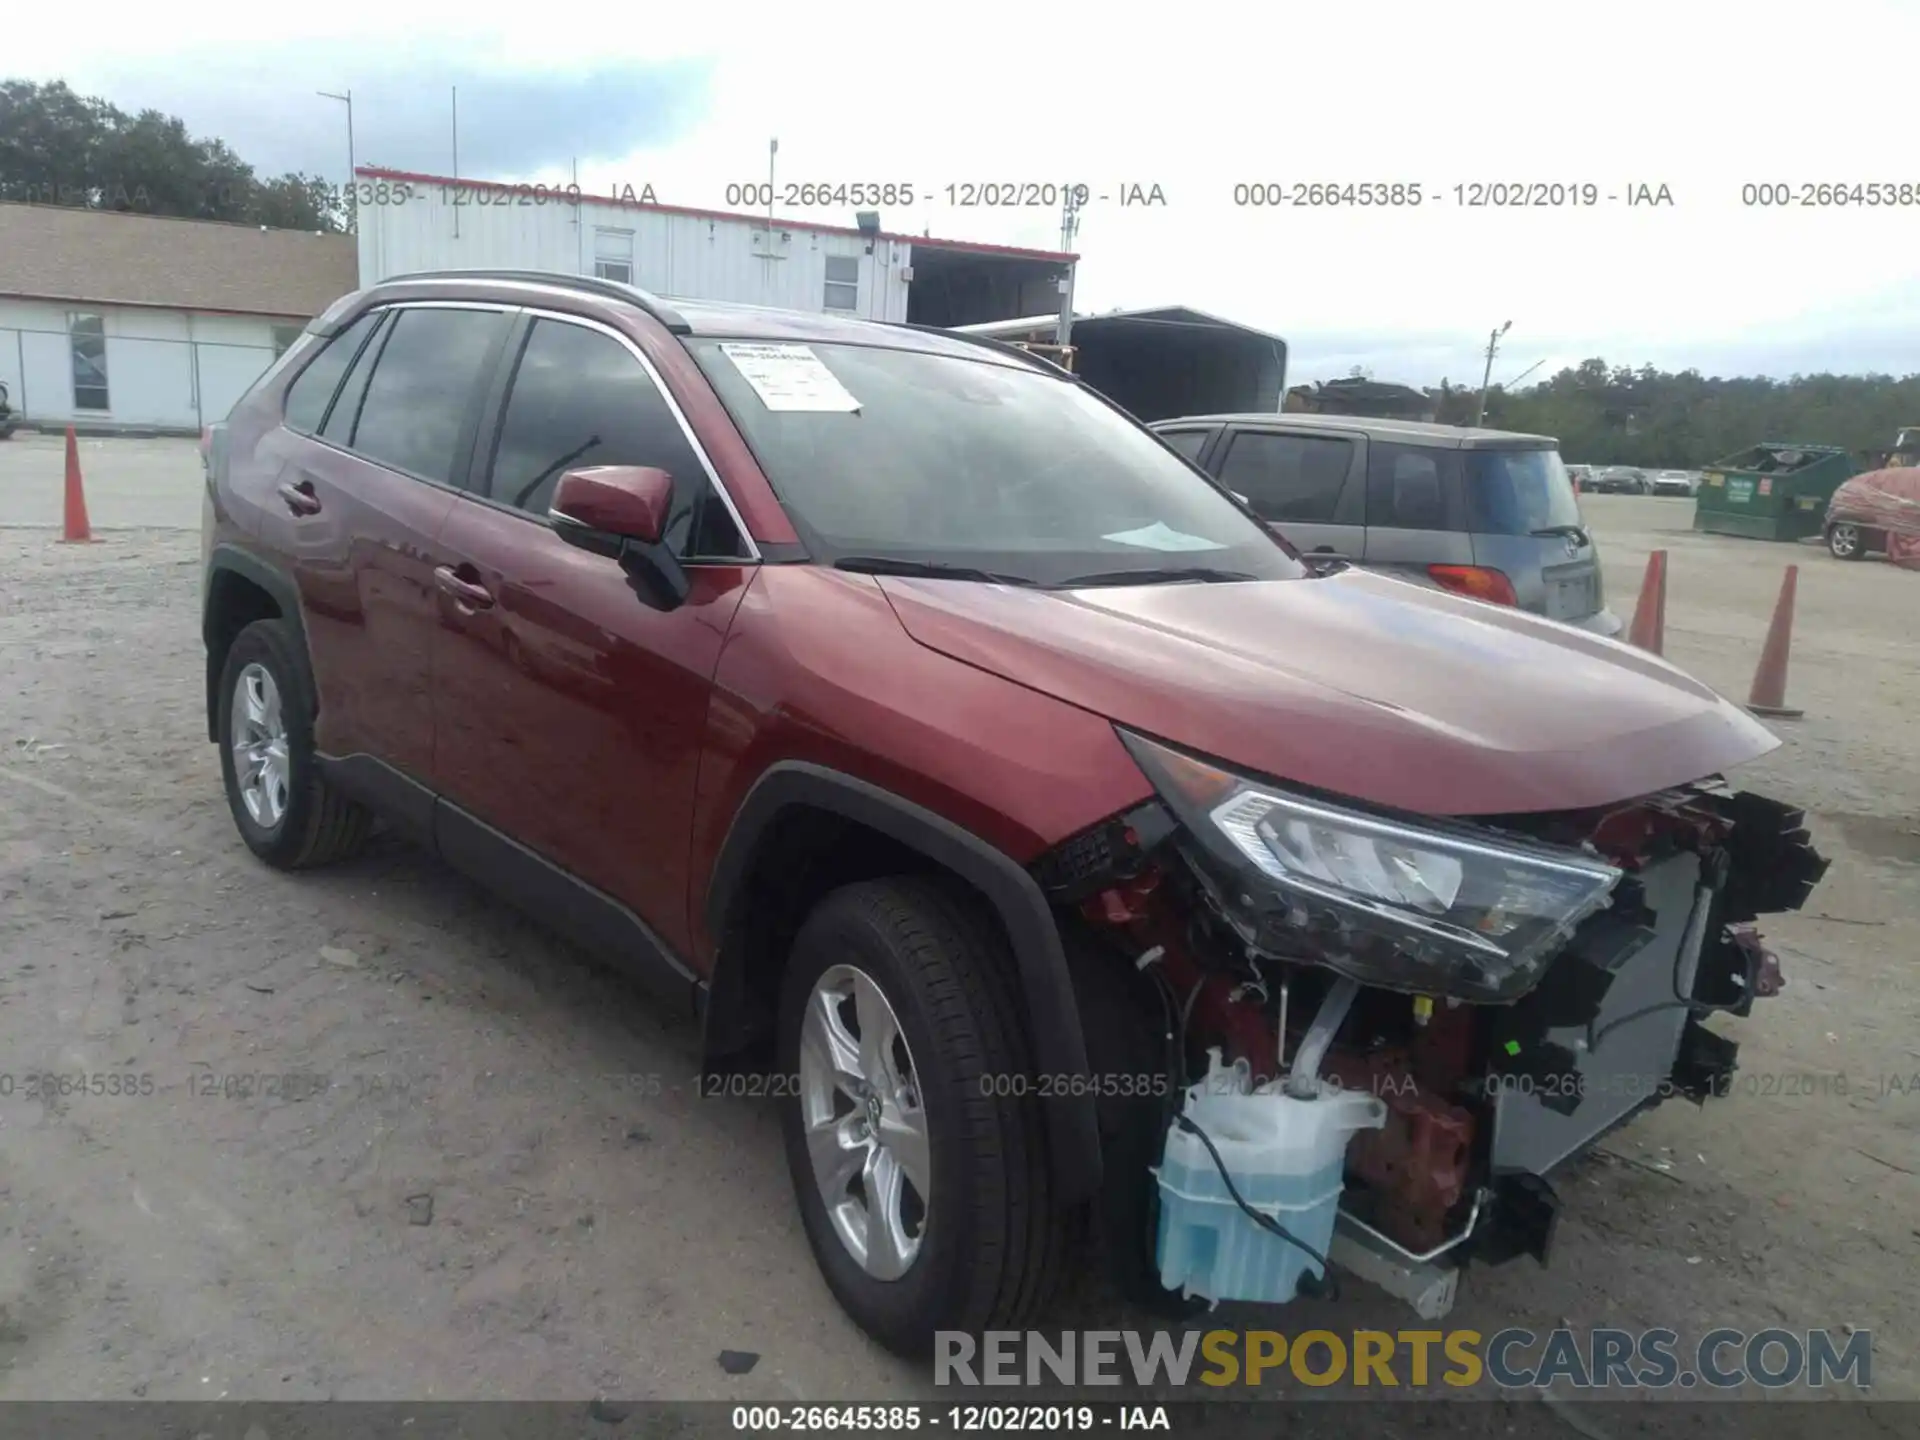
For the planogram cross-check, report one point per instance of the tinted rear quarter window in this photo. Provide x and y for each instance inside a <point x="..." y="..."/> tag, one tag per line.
<point x="579" y="398"/>
<point x="1188" y="442"/>
<point x="313" y="387"/>
<point x="1412" y="487"/>
<point x="422" y="390"/>
<point x="1288" y="477"/>
<point x="353" y="390"/>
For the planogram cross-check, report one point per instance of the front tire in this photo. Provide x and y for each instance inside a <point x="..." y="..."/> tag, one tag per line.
<point x="924" y="1189"/>
<point x="1845" y="542"/>
<point x="283" y="807"/>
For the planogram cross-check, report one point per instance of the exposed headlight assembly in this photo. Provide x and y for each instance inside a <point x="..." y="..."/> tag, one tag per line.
<point x="1435" y="909"/>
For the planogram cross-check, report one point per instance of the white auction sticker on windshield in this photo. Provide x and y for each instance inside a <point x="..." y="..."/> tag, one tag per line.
<point x="1161" y="536"/>
<point x="790" y="377"/>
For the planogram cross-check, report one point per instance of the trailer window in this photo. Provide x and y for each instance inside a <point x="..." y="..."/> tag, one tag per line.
<point x="613" y="255"/>
<point x="843" y="283"/>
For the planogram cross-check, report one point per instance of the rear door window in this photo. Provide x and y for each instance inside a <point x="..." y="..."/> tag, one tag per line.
<point x="423" y="390"/>
<point x="1297" y="478"/>
<point x="312" y="389"/>
<point x="1412" y="487"/>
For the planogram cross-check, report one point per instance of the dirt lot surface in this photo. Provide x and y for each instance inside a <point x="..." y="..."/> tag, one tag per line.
<point x="507" y="1186"/>
<point x="130" y="484"/>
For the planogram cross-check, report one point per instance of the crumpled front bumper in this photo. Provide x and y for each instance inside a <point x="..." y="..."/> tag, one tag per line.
<point x="1591" y="1046"/>
<point x="1617" y="1023"/>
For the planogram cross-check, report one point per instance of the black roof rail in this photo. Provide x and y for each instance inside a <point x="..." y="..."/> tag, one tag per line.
<point x="1002" y="347"/>
<point x="592" y="284"/>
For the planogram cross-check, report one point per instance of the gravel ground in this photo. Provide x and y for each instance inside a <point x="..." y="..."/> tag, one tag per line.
<point x="130" y="484"/>
<point x="509" y="1188"/>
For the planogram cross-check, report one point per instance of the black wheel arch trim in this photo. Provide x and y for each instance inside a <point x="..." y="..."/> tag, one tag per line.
<point x="1059" y="1042"/>
<point x="234" y="559"/>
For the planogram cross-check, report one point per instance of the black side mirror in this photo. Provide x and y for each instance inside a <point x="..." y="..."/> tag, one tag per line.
<point x="655" y="574"/>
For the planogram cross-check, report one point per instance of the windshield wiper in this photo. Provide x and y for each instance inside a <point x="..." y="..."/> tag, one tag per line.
<point x="924" y="570"/>
<point x="1578" y="532"/>
<point x="1153" y="577"/>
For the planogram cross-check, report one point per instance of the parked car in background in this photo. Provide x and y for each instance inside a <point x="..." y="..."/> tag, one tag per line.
<point x="1581" y="476"/>
<point x="1619" y="480"/>
<point x="1673" y="482"/>
<point x="1879" y="510"/>
<point x="1484" y="513"/>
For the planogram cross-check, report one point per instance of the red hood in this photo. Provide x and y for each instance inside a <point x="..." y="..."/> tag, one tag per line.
<point x="1356" y="684"/>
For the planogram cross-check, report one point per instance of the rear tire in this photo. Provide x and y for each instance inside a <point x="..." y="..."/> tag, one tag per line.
<point x="291" y="818"/>
<point x="1845" y="542"/>
<point x="989" y="1243"/>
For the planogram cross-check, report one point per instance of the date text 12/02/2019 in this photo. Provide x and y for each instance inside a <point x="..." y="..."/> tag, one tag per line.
<point x="900" y="1419"/>
<point x="1466" y="195"/>
<point x="958" y="195"/>
<point x="376" y="193"/>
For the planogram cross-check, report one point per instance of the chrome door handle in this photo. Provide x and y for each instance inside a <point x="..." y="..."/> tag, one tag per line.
<point x="464" y="592"/>
<point x="300" y="498"/>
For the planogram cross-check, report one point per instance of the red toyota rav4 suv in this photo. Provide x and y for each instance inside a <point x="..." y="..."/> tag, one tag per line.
<point x="970" y="764"/>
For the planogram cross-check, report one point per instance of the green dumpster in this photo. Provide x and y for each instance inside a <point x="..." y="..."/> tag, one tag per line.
<point x="1772" y="492"/>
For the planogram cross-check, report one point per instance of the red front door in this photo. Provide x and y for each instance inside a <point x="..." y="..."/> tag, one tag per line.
<point x="568" y="713"/>
<point x="570" y="709"/>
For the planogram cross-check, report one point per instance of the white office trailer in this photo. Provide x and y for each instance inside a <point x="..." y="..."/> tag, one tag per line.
<point x="114" y="321"/>
<point x="412" y="222"/>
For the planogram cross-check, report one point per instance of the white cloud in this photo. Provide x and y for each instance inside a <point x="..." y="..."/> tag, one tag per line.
<point x="1701" y="97"/>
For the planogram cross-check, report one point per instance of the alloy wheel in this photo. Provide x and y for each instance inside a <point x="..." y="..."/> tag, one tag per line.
<point x="865" y="1122"/>
<point x="260" y="762"/>
<point x="1843" y="540"/>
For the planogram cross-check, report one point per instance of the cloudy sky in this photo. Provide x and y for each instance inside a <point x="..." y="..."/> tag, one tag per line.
<point x="1702" y="97"/>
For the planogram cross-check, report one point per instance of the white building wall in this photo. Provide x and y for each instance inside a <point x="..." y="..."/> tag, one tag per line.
<point x="687" y="256"/>
<point x="172" y="369"/>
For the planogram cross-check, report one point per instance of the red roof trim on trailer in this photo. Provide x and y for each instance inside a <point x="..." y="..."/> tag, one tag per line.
<point x="812" y="227"/>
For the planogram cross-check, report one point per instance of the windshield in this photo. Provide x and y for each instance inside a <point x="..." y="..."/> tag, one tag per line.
<point x="1516" y="492"/>
<point x="976" y="464"/>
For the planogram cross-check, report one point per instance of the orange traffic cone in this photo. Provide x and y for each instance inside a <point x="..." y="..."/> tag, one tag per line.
<point x="77" y="529"/>
<point x="1769" y="695"/>
<point x="1649" y="628"/>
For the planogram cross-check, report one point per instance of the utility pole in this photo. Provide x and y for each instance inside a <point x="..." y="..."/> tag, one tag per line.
<point x="353" y="210"/>
<point x="1069" y="227"/>
<point x="1486" y="379"/>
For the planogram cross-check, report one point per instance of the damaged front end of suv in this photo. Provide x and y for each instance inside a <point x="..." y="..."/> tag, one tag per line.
<point x="1510" y="988"/>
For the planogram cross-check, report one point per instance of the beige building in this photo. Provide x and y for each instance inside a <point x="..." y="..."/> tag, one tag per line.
<point x="116" y="321"/>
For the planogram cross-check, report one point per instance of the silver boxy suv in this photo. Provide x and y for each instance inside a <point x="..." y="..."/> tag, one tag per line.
<point x="1485" y="513"/>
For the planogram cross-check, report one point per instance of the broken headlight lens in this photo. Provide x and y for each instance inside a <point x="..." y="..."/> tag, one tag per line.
<point x="1430" y="907"/>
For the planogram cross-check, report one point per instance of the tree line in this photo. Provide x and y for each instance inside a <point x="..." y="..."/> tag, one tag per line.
<point x="58" y="147"/>
<point x="1616" y="415"/>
